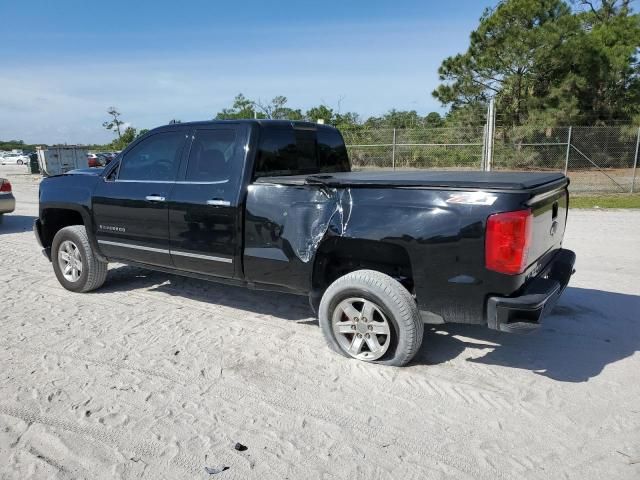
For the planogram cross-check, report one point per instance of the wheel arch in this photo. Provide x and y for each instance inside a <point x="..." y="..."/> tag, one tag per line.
<point x="55" y="217"/>
<point x="337" y="256"/>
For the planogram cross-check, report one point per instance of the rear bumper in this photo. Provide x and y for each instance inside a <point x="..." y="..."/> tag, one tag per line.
<point x="7" y="203"/>
<point x="526" y="311"/>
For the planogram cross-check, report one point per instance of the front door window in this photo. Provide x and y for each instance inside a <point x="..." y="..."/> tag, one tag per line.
<point x="156" y="158"/>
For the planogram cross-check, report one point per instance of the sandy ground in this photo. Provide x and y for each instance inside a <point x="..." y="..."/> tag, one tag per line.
<point x="156" y="376"/>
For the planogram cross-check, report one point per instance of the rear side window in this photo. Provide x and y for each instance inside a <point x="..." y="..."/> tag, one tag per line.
<point x="289" y="151"/>
<point x="213" y="156"/>
<point x="216" y="161"/>
<point x="285" y="151"/>
<point x="332" y="154"/>
<point x="155" y="158"/>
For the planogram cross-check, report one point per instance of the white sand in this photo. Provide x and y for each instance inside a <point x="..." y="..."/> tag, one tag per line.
<point x="156" y="376"/>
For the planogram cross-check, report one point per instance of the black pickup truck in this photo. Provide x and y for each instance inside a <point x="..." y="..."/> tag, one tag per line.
<point x="274" y="205"/>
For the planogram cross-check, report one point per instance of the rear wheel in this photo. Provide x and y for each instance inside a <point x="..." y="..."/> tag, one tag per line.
<point x="74" y="262"/>
<point x="369" y="316"/>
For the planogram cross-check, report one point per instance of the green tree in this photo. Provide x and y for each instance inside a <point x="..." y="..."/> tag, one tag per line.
<point x="466" y="116"/>
<point x="505" y="56"/>
<point x="396" y="119"/>
<point x="433" y="119"/>
<point x="277" y="109"/>
<point x="128" y="136"/>
<point x="600" y="83"/>
<point x="242" y="108"/>
<point x="321" y="112"/>
<point x="346" y="120"/>
<point x="115" y="123"/>
<point x="16" y="144"/>
<point x="608" y="69"/>
<point x="543" y="61"/>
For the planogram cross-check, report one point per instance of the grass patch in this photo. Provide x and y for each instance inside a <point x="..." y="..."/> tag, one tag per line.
<point x="605" y="201"/>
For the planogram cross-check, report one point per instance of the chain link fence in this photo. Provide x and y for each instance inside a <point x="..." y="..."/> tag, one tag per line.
<point x="415" y="148"/>
<point x="597" y="159"/>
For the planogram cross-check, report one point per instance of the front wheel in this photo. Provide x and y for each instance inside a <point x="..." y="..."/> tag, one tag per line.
<point x="369" y="316"/>
<point x="74" y="262"/>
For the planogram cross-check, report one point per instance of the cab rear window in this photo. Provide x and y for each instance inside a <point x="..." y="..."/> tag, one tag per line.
<point x="289" y="151"/>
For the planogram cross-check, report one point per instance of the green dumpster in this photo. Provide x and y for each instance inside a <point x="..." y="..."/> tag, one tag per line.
<point x="34" y="167"/>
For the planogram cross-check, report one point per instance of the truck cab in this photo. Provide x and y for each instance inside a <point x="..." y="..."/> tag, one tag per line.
<point x="175" y="198"/>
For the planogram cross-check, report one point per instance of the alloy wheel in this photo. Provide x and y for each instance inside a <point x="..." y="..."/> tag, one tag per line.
<point x="70" y="261"/>
<point x="361" y="328"/>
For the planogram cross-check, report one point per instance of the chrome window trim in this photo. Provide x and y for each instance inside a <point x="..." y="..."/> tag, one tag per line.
<point x="143" y="181"/>
<point x="179" y="182"/>
<point x="169" y="252"/>
<point x="191" y="182"/>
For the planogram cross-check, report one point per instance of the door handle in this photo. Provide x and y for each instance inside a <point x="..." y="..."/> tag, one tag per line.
<point x="218" y="203"/>
<point x="154" y="198"/>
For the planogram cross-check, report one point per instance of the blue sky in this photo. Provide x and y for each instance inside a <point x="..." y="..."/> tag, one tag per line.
<point x="63" y="63"/>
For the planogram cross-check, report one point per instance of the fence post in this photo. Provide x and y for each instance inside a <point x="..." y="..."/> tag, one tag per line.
<point x="566" y="158"/>
<point x="393" y="150"/>
<point x="483" y="161"/>
<point x="635" y="162"/>
<point x="491" y="125"/>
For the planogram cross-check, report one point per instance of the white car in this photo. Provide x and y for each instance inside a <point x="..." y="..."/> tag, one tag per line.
<point x="14" y="159"/>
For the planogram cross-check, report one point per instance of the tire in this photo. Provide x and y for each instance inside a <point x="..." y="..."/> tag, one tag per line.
<point x="89" y="272"/>
<point x="391" y="309"/>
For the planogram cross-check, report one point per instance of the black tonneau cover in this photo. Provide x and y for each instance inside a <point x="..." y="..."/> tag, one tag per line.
<point x="425" y="178"/>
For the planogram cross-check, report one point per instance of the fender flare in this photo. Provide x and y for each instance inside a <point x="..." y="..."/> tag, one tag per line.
<point x="87" y="220"/>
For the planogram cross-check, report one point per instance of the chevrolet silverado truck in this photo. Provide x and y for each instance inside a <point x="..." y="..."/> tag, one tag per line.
<point x="275" y="205"/>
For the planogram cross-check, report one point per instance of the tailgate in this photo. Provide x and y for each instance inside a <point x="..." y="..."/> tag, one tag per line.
<point x="549" y="221"/>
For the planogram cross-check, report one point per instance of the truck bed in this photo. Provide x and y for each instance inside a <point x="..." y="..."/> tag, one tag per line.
<point x="511" y="181"/>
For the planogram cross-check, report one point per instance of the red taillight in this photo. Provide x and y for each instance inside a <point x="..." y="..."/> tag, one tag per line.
<point x="93" y="162"/>
<point x="5" y="186"/>
<point x="507" y="241"/>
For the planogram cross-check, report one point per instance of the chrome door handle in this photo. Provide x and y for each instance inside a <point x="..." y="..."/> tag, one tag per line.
<point x="154" y="198"/>
<point x="218" y="203"/>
